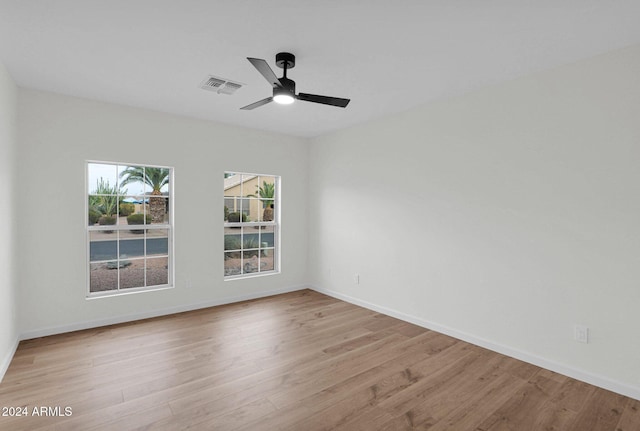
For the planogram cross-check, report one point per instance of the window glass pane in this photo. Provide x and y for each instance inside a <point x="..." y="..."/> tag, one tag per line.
<point x="95" y="212"/>
<point x="265" y="189"/>
<point x="103" y="276"/>
<point x="157" y="271"/>
<point x="232" y="185"/>
<point x="232" y="263"/>
<point x="228" y="207"/>
<point x="158" y="210"/>
<point x="127" y="206"/>
<point x="267" y="209"/>
<point x="267" y="248"/>
<point x="262" y="188"/>
<point x="266" y="259"/>
<point x="245" y="207"/>
<point x="250" y="262"/>
<point x="268" y="184"/>
<point x="240" y="210"/>
<point x="249" y="182"/>
<point x="161" y="178"/>
<point x="267" y="236"/>
<point x="253" y="208"/>
<point x="232" y="241"/>
<point x="157" y="242"/>
<point x="251" y="237"/>
<point x="131" y="245"/>
<point x="102" y="246"/>
<point x="102" y="179"/>
<point x="131" y="180"/>
<point x="131" y="273"/>
<point x="103" y="194"/>
<point x="103" y="206"/>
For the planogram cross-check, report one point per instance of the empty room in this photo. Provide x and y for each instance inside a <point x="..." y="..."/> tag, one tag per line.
<point x="320" y="215"/>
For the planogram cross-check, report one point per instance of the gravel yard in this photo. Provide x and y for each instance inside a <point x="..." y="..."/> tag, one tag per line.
<point x="132" y="275"/>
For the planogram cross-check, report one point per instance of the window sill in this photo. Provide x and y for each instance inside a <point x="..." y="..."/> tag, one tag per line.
<point x="252" y="275"/>
<point x="132" y="291"/>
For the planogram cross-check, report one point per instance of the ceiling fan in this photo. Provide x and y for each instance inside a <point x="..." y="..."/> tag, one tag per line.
<point x="284" y="89"/>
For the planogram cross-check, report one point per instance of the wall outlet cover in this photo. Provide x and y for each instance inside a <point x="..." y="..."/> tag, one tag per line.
<point x="581" y="333"/>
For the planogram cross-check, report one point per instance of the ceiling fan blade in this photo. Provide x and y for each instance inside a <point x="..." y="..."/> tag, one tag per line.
<point x="325" y="100"/>
<point x="257" y="104"/>
<point x="266" y="71"/>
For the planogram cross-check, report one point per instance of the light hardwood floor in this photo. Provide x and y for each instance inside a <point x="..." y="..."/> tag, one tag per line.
<point x="300" y="361"/>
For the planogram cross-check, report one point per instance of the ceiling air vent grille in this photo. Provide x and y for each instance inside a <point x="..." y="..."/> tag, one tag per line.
<point x="220" y="85"/>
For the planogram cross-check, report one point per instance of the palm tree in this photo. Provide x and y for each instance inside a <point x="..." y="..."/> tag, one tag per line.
<point x="266" y="192"/>
<point x="156" y="178"/>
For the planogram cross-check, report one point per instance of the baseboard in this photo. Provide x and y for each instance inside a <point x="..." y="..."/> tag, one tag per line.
<point x="6" y="361"/>
<point x="584" y="376"/>
<point x="154" y="313"/>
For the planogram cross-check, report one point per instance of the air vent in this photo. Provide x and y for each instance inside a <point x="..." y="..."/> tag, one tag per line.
<point x="220" y="85"/>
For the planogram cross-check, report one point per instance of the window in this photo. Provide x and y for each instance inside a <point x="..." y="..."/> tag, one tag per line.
<point x="129" y="227"/>
<point x="251" y="224"/>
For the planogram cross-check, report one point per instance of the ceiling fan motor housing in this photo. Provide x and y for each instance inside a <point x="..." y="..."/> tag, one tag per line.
<point x="285" y="59"/>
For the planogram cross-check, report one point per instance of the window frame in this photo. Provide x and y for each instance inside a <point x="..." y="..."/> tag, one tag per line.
<point x="117" y="228"/>
<point x="275" y="224"/>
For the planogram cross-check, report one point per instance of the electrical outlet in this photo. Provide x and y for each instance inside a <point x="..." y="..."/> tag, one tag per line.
<point x="581" y="333"/>
<point x="356" y="278"/>
<point x="188" y="284"/>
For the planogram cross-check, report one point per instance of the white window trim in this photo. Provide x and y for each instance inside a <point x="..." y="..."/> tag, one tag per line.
<point x="168" y="226"/>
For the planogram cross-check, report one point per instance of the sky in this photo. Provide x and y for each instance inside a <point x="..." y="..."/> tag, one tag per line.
<point x="110" y="173"/>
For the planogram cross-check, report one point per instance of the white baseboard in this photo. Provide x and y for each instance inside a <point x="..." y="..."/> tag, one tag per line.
<point x="6" y="361"/>
<point x="584" y="376"/>
<point x="43" y="332"/>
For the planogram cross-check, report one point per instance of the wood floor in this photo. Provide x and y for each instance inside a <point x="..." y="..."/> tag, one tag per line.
<point x="300" y="361"/>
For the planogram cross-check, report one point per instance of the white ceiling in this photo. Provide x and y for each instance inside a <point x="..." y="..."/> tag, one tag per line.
<point x="387" y="56"/>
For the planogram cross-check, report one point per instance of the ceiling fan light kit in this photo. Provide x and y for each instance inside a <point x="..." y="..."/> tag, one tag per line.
<point x="282" y="96"/>
<point x="284" y="89"/>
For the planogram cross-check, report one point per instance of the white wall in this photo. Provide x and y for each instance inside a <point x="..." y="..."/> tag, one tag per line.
<point x="8" y="277"/>
<point x="503" y="217"/>
<point x="57" y="135"/>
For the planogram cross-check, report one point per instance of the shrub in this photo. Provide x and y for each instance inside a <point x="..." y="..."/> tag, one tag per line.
<point x="94" y="216"/>
<point x="235" y="217"/>
<point x="231" y="242"/>
<point x="106" y="220"/>
<point x="250" y="242"/>
<point x="127" y="208"/>
<point x="226" y="213"/>
<point x="136" y="219"/>
<point x="106" y="199"/>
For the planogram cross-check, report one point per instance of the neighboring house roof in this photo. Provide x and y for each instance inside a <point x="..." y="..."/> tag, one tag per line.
<point x="235" y="180"/>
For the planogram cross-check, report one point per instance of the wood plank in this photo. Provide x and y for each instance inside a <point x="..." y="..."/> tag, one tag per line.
<point x="630" y="419"/>
<point x="483" y="403"/>
<point x="350" y="400"/>
<point x="524" y="407"/>
<point x="604" y="410"/>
